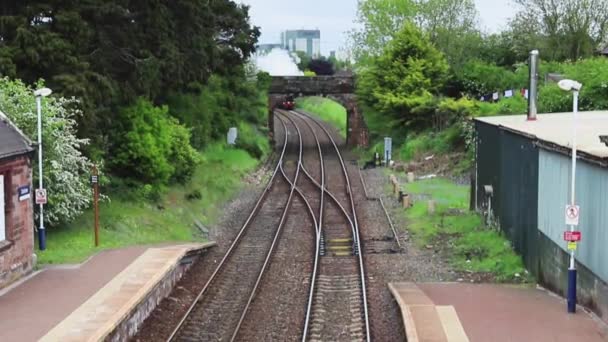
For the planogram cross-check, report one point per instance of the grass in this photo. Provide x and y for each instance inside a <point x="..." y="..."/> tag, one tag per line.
<point x="328" y="110"/>
<point x="472" y="246"/>
<point x="127" y="220"/>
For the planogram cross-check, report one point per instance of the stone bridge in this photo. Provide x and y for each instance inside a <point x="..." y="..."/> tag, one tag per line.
<point x="338" y="88"/>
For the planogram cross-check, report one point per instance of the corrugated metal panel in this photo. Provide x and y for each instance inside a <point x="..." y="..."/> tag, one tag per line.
<point x="509" y="162"/>
<point x="517" y="213"/>
<point x="488" y="161"/>
<point x="591" y="195"/>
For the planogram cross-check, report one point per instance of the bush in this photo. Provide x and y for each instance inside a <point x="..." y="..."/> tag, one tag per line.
<point x="251" y="141"/>
<point x="151" y="147"/>
<point x="66" y="170"/>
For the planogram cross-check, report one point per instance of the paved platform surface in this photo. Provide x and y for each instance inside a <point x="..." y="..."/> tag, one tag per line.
<point x="33" y="307"/>
<point x="96" y="318"/>
<point x="509" y="313"/>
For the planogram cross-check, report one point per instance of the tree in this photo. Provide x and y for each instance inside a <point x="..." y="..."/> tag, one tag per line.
<point x="378" y="21"/>
<point x="452" y="27"/>
<point x="110" y="52"/>
<point x="65" y="169"/>
<point x="561" y="29"/>
<point x="450" y="24"/>
<point x="402" y="81"/>
<point x="321" y="67"/>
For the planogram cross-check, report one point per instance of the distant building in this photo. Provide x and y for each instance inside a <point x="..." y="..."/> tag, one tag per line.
<point x="307" y="41"/>
<point x="332" y="54"/>
<point x="16" y="205"/>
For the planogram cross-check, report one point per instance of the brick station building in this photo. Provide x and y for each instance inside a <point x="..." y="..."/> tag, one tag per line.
<point x="16" y="206"/>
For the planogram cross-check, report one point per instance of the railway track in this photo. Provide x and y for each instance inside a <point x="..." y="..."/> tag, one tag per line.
<point x="337" y="310"/>
<point x="297" y="209"/>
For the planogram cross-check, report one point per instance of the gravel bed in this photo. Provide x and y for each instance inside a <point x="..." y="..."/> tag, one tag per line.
<point x="384" y="261"/>
<point x="160" y="324"/>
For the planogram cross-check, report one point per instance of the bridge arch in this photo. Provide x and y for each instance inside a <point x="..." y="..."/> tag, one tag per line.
<point x="339" y="88"/>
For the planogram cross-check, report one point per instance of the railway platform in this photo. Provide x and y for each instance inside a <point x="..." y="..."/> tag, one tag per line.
<point x="490" y="312"/>
<point x="103" y="297"/>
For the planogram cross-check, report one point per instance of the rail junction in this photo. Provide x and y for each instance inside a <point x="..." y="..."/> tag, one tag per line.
<point x="295" y="270"/>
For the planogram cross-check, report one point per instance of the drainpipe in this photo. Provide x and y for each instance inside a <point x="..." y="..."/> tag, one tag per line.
<point x="533" y="89"/>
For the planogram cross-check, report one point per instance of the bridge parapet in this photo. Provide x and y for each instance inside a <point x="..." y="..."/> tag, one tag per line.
<point x="315" y="85"/>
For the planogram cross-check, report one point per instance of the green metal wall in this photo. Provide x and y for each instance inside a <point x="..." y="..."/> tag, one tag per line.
<point x="591" y="195"/>
<point x="509" y="162"/>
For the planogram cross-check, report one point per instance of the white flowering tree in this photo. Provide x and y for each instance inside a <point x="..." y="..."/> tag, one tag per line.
<point x="65" y="168"/>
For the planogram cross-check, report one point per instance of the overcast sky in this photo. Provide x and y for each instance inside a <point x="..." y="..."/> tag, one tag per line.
<point x="335" y="17"/>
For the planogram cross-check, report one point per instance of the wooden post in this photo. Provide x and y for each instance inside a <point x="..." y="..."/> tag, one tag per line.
<point x="406" y="201"/>
<point x="95" y="182"/>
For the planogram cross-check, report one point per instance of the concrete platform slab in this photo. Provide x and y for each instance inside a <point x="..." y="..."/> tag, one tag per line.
<point x="115" y="311"/>
<point x="490" y="312"/>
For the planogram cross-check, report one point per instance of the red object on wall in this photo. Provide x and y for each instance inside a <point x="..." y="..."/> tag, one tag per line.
<point x="572" y="236"/>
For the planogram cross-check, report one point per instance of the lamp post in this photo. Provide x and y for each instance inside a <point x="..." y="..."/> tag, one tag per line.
<point x="574" y="87"/>
<point x="40" y="93"/>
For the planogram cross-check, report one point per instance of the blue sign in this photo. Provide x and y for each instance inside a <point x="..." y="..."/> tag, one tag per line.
<point x="23" y="192"/>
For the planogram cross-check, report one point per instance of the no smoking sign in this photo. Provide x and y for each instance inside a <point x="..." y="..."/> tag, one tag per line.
<point x="572" y="215"/>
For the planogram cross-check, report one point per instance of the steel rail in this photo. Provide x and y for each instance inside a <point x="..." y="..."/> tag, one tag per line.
<point x="379" y="199"/>
<point x="319" y="230"/>
<point x="352" y="203"/>
<point x="236" y="241"/>
<point x="276" y="235"/>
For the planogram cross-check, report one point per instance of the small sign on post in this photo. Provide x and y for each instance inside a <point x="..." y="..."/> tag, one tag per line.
<point x="572" y="236"/>
<point x="232" y="135"/>
<point x="572" y="246"/>
<point x="388" y="147"/>
<point x="572" y="214"/>
<point x="40" y="196"/>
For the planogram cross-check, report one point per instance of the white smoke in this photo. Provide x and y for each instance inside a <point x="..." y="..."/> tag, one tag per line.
<point x="278" y="62"/>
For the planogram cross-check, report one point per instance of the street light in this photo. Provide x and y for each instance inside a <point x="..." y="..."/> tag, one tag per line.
<point x="40" y="93"/>
<point x="574" y="87"/>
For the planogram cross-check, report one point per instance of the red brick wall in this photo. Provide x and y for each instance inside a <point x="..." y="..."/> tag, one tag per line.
<point x="16" y="253"/>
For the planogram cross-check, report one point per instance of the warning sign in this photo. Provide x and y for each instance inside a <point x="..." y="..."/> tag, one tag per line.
<point x="572" y="246"/>
<point x="572" y="236"/>
<point x="572" y="215"/>
<point x="40" y="196"/>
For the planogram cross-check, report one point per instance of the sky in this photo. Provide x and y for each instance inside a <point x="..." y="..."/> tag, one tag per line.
<point x="335" y="17"/>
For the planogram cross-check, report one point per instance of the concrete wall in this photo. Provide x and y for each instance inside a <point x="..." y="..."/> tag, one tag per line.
<point x="17" y="251"/>
<point x="128" y="327"/>
<point x="592" y="292"/>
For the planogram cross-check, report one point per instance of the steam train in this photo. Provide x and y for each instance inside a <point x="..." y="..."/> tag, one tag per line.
<point x="288" y="103"/>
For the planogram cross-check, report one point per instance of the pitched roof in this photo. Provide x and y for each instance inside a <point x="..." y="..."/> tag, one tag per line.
<point x="12" y="141"/>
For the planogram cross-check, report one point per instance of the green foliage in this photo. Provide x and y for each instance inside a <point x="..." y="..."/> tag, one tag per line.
<point x="473" y="247"/>
<point x="250" y="140"/>
<point x="65" y="170"/>
<point x="309" y="73"/>
<point x="131" y="220"/>
<point x="108" y="53"/>
<point x="326" y="109"/>
<point x="480" y="78"/>
<point x="211" y="111"/>
<point x="401" y="82"/>
<point x="152" y="147"/>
